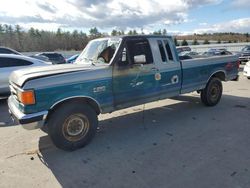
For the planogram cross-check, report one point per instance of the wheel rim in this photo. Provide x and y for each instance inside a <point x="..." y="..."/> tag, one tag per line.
<point x="215" y="92"/>
<point x="75" y="127"/>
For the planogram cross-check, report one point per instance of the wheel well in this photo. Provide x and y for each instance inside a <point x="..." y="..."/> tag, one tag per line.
<point x="221" y="75"/>
<point x="78" y="100"/>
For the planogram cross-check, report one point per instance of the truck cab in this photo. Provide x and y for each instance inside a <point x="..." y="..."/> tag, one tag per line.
<point x="145" y="70"/>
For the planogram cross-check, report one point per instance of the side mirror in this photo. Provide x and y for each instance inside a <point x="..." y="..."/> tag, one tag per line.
<point x="140" y="59"/>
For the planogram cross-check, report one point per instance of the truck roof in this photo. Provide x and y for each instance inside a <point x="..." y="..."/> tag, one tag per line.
<point x="142" y="36"/>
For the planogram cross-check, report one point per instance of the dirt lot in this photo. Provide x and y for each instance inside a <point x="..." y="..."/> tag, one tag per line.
<point x="179" y="143"/>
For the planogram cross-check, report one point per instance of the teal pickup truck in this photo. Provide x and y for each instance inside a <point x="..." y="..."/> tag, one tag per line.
<point x="111" y="74"/>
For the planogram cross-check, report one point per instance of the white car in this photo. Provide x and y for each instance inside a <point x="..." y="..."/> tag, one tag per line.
<point x="12" y="62"/>
<point x="246" y="71"/>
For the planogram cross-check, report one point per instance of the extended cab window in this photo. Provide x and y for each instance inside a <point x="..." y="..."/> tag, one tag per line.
<point x="139" y="49"/>
<point x="168" y="49"/>
<point x="12" y="62"/>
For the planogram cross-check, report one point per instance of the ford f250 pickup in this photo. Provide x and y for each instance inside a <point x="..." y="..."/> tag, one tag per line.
<point x="111" y="74"/>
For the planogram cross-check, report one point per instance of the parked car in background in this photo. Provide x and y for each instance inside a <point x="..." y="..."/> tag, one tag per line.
<point x="6" y="50"/>
<point x="188" y="55"/>
<point x="191" y="53"/>
<point x="245" y="54"/>
<point x="216" y="52"/>
<point x="72" y="58"/>
<point x="40" y="57"/>
<point x="10" y="63"/>
<point x="183" y="49"/>
<point x="54" y="57"/>
<point x="246" y="71"/>
<point x="184" y="57"/>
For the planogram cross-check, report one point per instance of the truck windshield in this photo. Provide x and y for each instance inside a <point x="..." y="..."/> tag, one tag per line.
<point x="99" y="51"/>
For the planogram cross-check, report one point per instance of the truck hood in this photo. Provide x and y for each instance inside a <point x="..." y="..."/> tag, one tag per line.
<point x="19" y="77"/>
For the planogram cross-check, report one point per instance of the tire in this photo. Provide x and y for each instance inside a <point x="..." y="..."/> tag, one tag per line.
<point x="72" y="126"/>
<point x="211" y="94"/>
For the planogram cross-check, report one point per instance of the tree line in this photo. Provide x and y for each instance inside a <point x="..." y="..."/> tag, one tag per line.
<point x="225" y="37"/>
<point x="40" y="40"/>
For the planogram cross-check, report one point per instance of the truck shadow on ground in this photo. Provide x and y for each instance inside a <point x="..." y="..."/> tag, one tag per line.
<point x="141" y="149"/>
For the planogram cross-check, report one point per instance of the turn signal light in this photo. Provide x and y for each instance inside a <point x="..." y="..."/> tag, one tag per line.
<point x="27" y="97"/>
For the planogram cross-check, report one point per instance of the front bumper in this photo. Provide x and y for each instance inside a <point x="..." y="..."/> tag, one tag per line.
<point x="28" y="121"/>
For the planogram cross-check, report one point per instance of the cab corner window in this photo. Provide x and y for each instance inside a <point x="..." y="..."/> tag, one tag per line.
<point x="162" y="51"/>
<point x="168" y="49"/>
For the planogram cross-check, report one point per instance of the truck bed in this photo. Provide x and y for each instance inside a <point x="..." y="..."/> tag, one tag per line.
<point x="196" y="72"/>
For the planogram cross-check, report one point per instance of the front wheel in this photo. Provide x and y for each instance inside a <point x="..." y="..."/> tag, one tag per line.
<point x="72" y="125"/>
<point x="211" y="94"/>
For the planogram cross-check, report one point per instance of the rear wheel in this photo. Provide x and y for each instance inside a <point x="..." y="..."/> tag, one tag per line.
<point x="72" y="126"/>
<point x="211" y="94"/>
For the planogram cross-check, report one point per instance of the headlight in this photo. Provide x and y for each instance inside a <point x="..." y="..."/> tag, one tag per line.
<point x="26" y="97"/>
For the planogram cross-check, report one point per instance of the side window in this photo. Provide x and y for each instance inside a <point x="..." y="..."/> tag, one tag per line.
<point x="139" y="51"/>
<point x="3" y="62"/>
<point x="224" y="53"/>
<point x="170" y="55"/>
<point x="12" y="62"/>
<point x="21" y="62"/>
<point x="162" y="51"/>
<point x="5" y="51"/>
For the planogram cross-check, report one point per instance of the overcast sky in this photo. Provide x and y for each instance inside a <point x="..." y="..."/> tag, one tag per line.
<point x="177" y="16"/>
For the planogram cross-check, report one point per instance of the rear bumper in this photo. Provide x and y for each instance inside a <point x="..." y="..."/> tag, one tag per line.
<point x="236" y="78"/>
<point x="244" y="58"/>
<point x="28" y="121"/>
<point x="246" y="71"/>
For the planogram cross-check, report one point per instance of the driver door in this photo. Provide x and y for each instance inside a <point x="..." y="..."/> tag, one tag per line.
<point x="134" y="74"/>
